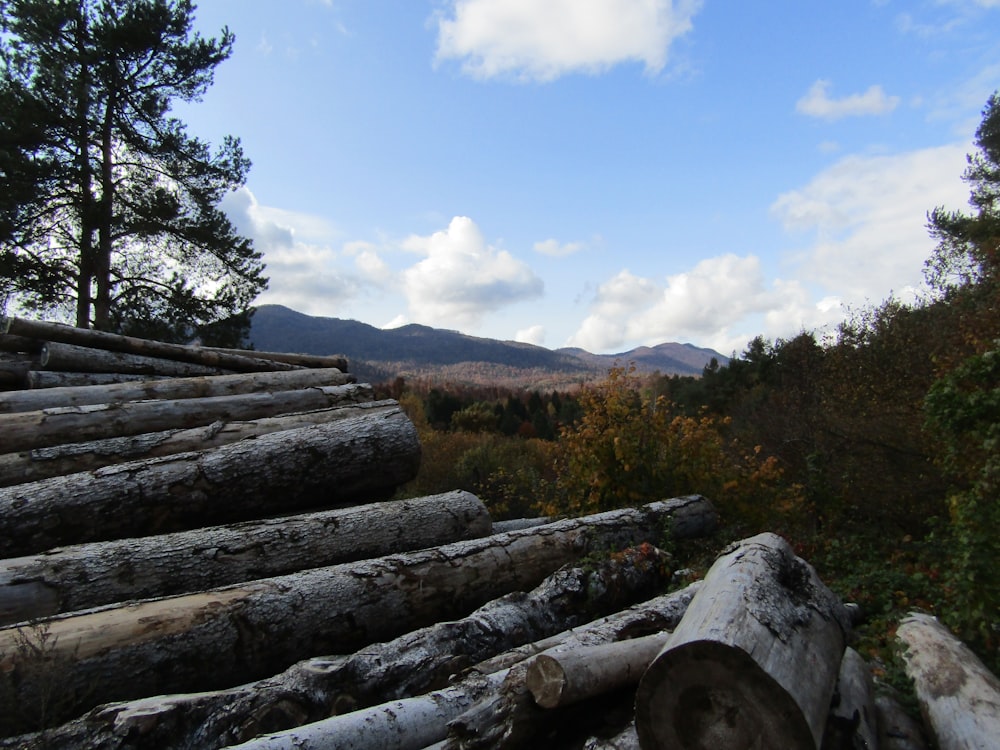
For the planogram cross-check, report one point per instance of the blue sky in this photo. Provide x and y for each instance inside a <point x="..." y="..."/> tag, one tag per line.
<point x="598" y="173"/>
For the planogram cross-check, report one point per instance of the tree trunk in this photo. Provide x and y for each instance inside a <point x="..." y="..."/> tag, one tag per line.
<point x="303" y="360"/>
<point x="71" y="358"/>
<point x="509" y="716"/>
<point x="959" y="697"/>
<point x="897" y="730"/>
<point x="88" y="575"/>
<point x="61" y="424"/>
<point x="172" y="388"/>
<point x="116" y="343"/>
<point x="227" y="636"/>
<point x="409" y="665"/>
<point x="755" y="660"/>
<point x="43" y="463"/>
<point x="852" y="723"/>
<point x="50" y="379"/>
<point x="358" y="459"/>
<point x="14" y="374"/>
<point x="564" y="679"/>
<point x="11" y="343"/>
<point x="407" y="724"/>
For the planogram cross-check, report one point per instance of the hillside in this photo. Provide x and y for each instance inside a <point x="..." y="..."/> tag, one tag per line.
<point x="416" y="351"/>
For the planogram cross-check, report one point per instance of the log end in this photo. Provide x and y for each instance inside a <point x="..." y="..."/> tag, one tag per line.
<point x="707" y="695"/>
<point x="546" y="680"/>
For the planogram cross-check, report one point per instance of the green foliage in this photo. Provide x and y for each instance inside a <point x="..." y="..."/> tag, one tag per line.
<point x="964" y="406"/>
<point x="110" y="209"/>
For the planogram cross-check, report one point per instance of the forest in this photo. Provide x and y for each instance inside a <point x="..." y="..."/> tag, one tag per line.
<point x="875" y="448"/>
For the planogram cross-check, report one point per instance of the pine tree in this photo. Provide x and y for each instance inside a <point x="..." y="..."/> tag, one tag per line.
<point x="110" y="210"/>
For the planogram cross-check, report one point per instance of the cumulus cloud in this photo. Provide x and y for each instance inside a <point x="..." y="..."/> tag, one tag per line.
<point x="531" y="335"/>
<point x="299" y="252"/>
<point x="721" y="303"/>
<point x="531" y="40"/>
<point x="817" y="103"/>
<point x="865" y="217"/>
<point x="556" y="249"/>
<point x="462" y="278"/>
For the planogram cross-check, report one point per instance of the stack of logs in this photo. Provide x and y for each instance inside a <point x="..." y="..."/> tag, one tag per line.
<point x="212" y="559"/>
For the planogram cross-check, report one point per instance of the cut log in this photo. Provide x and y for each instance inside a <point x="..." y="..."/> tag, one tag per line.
<point x="71" y="358"/>
<point x="303" y="360"/>
<point x="223" y="637"/>
<point x="11" y="343"/>
<point x="48" y="427"/>
<point x="361" y="458"/>
<point x="897" y="730"/>
<point x="14" y="374"/>
<point x="509" y="717"/>
<point x="171" y="388"/>
<point x="408" y="724"/>
<point x="41" y="379"/>
<point x="755" y="660"/>
<point x="564" y="679"/>
<point x="42" y="463"/>
<point x="409" y="665"/>
<point x="88" y="575"/>
<point x="853" y="722"/>
<point x="64" y="334"/>
<point x="959" y="697"/>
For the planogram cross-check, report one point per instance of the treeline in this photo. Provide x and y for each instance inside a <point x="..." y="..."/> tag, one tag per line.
<point x="876" y="448"/>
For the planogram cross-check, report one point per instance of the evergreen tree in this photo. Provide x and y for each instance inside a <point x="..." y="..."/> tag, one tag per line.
<point x="110" y="209"/>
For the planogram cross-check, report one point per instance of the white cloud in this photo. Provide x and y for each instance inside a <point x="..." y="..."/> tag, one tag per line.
<point x="533" y="40"/>
<point x="556" y="249"/>
<point x="867" y="219"/>
<point x="462" y="277"/>
<point x="531" y="335"/>
<point x="816" y="103"/>
<point x="722" y="303"/>
<point x="298" y="250"/>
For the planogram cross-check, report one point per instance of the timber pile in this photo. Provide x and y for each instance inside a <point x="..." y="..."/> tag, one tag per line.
<point x="205" y="560"/>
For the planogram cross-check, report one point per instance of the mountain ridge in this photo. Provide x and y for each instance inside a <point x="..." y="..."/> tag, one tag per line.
<point x="417" y="351"/>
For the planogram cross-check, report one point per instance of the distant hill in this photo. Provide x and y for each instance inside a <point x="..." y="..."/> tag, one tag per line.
<point x="414" y="351"/>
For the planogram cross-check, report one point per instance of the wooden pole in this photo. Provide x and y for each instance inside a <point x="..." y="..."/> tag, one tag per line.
<point x="71" y="358"/>
<point x="359" y="459"/>
<point x="64" y="334"/>
<point x="959" y="697"/>
<point x="172" y="388"/>
<point x="755" y="660"/>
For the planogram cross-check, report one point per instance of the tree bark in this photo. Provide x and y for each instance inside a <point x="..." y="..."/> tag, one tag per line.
<point x="509" y="717"/>
<point x="226" y="636"/>
<point x="358" y="459"/>
<point x="38" y="379"/>
<point x="43" y="463"/>
<point x="11" y="343"/>
<point x="171" y="388"/>
<point x="114" y="342"/>
<point x="70" y="358"/>
<point x="755" y="660"/>
<point x="61" y="424"/>
<point x="88" y="575"/>
<point x="303" y="360"/>
<point x="959" y="697"/>
<point x="14" y="374"/>
<point x="852" y="723"/>
<point x="564" y="679"/>
<point x="409" y="665"/>
<point x="897" y="730"/>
